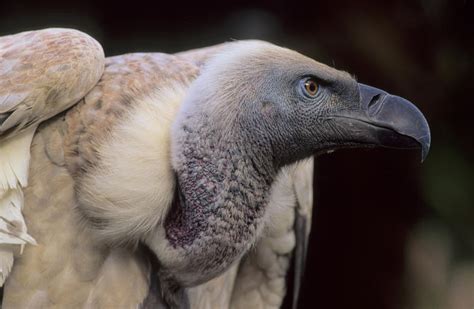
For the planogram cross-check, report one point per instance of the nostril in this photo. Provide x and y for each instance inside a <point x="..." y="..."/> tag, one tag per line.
<point x="374" y="100"/>
<point x="375" y="104"/>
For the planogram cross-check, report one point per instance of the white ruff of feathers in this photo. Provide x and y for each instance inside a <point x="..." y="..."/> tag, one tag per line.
<point x="14" y="164"/>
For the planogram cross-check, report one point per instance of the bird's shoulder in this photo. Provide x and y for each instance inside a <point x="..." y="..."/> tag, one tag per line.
<point x="44" y="72"/>
<point x="127" y="81"/>
<point x="117" y="143"/>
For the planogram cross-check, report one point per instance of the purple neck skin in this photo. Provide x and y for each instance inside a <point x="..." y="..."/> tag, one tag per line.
<point x="220" y="203"/>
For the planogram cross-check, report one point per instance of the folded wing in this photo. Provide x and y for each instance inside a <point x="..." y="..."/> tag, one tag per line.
<point x="42" y="73"/>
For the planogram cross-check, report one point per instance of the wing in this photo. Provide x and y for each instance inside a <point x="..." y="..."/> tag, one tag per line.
<point x="67" y="268"/>
<point x="303" y="187"/>
<point x="42" y="73"/>
<point x="261" y="278"/>
<point x="73" y="264"/>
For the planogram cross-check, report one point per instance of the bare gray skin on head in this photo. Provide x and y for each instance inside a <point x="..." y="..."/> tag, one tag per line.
<point x="244" y="118"/>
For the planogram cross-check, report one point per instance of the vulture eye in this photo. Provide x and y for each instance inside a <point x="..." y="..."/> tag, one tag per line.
<point x="311" y="87"/>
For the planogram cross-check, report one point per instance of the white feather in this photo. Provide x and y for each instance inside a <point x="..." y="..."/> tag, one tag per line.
<point x="14" y="164"/>
<point x="132" y="187"/>
<point x="6" y="262"/>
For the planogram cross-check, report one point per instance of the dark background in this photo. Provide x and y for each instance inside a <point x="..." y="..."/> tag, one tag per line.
<point x="388" y="232"/>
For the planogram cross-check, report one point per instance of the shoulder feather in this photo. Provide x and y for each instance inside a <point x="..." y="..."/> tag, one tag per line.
<point x="117" y="144"/>
<point x="43" y="73"/>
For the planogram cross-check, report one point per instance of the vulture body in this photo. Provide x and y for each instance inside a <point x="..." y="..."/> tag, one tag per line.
<point x="173" y="180"/>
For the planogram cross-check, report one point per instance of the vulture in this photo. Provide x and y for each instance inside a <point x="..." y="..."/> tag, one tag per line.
<point x="152" y="180"/>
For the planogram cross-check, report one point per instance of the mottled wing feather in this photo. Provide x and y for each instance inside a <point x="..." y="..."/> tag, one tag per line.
<point x="43" y="73"/>
<point x="127" y="79"/>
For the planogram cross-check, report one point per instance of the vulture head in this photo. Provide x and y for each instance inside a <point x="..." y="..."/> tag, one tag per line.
<point x="287" y="106"/>
<point x="255" y="108"/>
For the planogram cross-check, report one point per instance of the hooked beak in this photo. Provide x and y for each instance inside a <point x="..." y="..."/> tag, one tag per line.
<point x="386" y="120"/>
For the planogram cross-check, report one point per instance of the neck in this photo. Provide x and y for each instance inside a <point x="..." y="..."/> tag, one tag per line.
<point x="220" y="202"/>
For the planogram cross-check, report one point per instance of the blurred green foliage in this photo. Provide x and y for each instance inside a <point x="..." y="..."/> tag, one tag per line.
<point x="448" y="179"/>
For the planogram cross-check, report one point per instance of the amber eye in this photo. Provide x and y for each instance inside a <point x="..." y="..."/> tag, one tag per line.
<point x="311" y="87"/>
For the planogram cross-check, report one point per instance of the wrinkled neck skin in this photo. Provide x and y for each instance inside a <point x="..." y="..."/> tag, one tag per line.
<point x="219" y="208"/>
